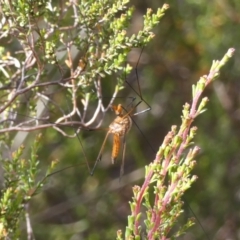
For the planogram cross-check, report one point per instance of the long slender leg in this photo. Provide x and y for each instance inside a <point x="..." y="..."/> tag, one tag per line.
<point x="138" y="91"/>
<point x="129" y="113"/>
<point x="84" y="153"/>
<point x="100" y="152"/>
<point x="123" y="157"/>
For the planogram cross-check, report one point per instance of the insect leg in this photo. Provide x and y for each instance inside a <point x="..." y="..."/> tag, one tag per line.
<point x="139" y="91"/>
<point x="123" y="157"/>
<point x="100" y="153"/>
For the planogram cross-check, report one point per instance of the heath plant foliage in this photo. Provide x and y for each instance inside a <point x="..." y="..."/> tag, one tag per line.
<point x="53" y="58"/>
<point x="158" y="201"/>
<point x="65" y="50"/>
<point x="20" y="185"/>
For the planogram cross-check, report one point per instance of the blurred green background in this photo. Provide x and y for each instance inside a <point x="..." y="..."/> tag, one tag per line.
<point x="75" y="205"/>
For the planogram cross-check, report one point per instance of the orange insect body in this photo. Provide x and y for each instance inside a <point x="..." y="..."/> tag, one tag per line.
<point x="116" y="147"/>
<point x="119" y="128"/>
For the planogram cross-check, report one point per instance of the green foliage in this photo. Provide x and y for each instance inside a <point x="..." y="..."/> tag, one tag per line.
<point x="49" y="36"/>
<point x="60" y="56"/>
<point x="62" y="50"/>
<point x="169" y="176"/>
<point x="20" y="185"/>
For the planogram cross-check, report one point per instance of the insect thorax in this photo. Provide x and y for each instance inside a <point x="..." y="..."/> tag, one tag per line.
<point x="120" y="125"/>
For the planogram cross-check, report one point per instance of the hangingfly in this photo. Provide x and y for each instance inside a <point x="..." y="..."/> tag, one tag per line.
<point x="119" y="128"/>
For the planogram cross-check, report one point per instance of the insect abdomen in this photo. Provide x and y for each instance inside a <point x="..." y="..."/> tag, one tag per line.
<point x="116" y="147"/>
